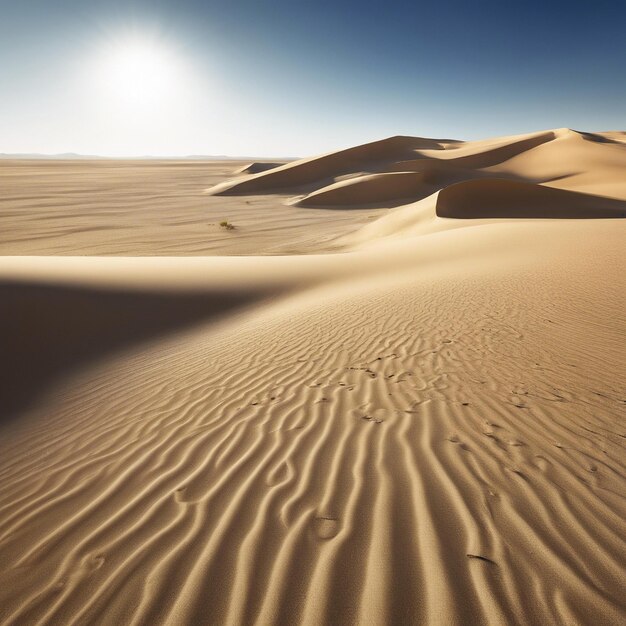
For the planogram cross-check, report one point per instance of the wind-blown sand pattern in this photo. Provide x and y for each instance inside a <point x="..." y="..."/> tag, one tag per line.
<point x="423" y="425"/>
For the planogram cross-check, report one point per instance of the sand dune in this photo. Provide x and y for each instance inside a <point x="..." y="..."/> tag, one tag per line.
<point x="617" y="136"/>
<point x="421" y="427"/>
<point x="591" y="163"/>
<point x="310" y="171"/>
<point x="369" y="189"/>
<point x="571" y="162"/>
<point x="257" y="166"/>
<point x="477" y="155"/>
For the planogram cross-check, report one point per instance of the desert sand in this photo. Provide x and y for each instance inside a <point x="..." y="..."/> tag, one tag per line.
<point x="393" y="393"/>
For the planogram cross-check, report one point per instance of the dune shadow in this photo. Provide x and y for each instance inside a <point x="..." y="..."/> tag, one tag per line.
<point x="496" y="155"/>
<point x="596" y="138"/>
<point x="48" y="330"/>
<point x="504" y="198"/>
<point x="392" y="203"/>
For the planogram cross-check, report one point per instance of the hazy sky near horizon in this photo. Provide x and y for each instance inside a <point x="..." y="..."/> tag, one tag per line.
<point x="287" y="78"/>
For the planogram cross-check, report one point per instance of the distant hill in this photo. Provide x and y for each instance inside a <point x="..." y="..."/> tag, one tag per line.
<point x="191" y="157"/>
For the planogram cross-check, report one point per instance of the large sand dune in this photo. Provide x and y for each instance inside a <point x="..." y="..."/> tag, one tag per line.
<point x="422" y="425"/>
<point x="309" y="171"/>
<point x="385" y="188"/>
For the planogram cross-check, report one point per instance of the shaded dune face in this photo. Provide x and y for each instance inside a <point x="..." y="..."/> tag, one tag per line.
<point x="506" y="198"/>
<point x="616" y="137"/>
<point x="47" y="330"/>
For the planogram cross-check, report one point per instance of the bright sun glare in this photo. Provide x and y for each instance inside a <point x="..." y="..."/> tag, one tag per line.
<point x="139" y="74"/>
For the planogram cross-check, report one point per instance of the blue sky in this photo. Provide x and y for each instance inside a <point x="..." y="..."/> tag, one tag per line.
<point x="281" y="78"/>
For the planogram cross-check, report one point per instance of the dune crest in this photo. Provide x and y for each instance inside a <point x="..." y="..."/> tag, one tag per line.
<point x="257" y="167"/>
<point x="369" y="189"/>
<point x="309" y="171"/>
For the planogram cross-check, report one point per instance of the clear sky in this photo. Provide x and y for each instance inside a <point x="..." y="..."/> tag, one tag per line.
<point x="289" y="78"/>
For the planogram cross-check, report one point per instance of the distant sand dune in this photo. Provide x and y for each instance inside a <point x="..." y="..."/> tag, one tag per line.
<point x="380" y="172"/>
<point x="257" y="166"/>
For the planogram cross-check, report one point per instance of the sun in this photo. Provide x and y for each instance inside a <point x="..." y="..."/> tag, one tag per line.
<point x="138" y="74"/>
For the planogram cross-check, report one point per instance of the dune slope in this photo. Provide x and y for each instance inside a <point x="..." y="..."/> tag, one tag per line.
<point x="71" y="324"/>
<point x="389" y="187"/>
<point x="309" y="171"/>
<point x="435" y="448"/>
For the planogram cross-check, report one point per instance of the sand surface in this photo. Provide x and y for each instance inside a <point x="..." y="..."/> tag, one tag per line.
<point x="393" y="394"/>
<point x="150" y="208"/>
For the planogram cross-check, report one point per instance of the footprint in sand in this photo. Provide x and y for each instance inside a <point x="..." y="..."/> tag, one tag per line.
<point x="515" y="443"/>
<point x="278" y="475"/>
<point x="454" y="439"/>
<point x="542" y="463"/>
<point x="479" y="557"/>
<point x="179" y="494"/>
<point x="326" y="527"/>
<point x="517" y="472"/>
<point x="374" y="420"/>
<point x="92" y="563"/>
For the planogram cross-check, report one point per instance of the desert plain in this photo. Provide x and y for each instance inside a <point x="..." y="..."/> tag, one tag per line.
<point x="392" y="393"/>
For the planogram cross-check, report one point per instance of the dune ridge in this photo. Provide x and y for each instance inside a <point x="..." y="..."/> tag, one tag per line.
<point x="309" y="171"/>
<point x="257" y="167"/>
<point x="369" y="189"/>
<point x="421" y="423"/>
